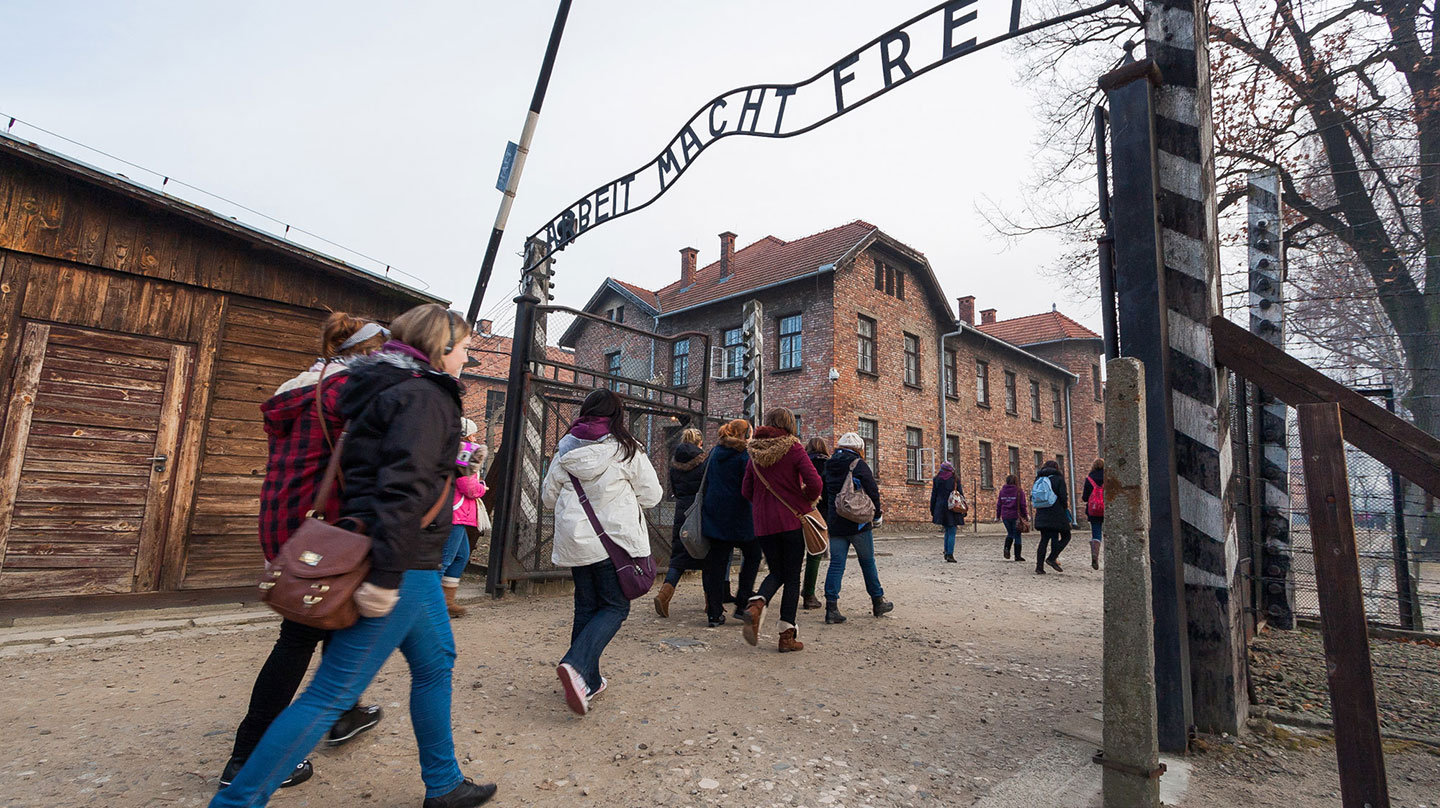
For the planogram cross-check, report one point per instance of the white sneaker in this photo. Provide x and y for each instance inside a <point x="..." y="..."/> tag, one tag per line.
<point x="576" y="692"/>
<point x="604" y="682"/>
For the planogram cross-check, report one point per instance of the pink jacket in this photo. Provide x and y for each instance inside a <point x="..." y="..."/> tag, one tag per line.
<point x="468" y="490"/>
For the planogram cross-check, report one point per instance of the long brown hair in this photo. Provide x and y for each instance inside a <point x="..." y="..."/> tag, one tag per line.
<point x="605" y="403"/>
<point x="433" y="330"/>
<point x="817" y="445"/>
<point x="782" y="419"/>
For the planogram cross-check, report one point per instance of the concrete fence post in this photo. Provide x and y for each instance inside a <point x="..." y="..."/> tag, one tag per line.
<point x="1131" y="758"/>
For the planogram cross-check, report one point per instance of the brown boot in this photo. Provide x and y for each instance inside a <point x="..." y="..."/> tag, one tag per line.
<point x="662" y="600"/>
<point x="810" y="602"/>
<point x="788" y="642"/>
<point x="455" y="608"/>
<point x="754" y="617"/>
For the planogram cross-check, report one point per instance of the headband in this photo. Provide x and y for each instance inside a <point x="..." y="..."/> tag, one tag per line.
<point x="363" y="334"/>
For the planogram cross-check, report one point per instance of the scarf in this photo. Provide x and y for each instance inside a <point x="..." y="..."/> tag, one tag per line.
<point x="591" y="428"/>
<point x="397" y="347"/>
<point x="946" y="470"/>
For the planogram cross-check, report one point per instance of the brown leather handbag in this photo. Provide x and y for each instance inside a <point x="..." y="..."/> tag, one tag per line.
<point x="812" y="523"/>
<point x="314" y="577"/>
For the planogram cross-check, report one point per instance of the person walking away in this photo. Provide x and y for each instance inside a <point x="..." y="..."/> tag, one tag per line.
<point x="1052" y="515"/>
<point x="1010" y="510"/>
<point x="301" y="434"/>
<point x="1094" y="498"/>
<point x="779" y="482"/>
<point x="618" y="482"/>
<point x="687" y="467"/>
<point x="848" y="464"/>
<point x="819" y="453"/>
<point x="402" y="405"/>
<point x="942" y="485"/>
<point x="469" y="489"/>
<point x="725" y="519"/>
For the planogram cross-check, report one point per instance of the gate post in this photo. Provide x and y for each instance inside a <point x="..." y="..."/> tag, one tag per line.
<point x="518" y="463"/>
<point x="1176" y="33"/>
<point x="753" y="333"/>
<point x="1144" y="335"/>
<point x="1265" y="236"/>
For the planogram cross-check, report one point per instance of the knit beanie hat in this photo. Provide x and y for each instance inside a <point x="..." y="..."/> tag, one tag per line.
<point x="851" y="441"/>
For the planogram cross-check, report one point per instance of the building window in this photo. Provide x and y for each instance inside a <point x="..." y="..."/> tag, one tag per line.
<point x="1095" y="383"/>
<point x="1014" y="461"/>
<point x="879" y="276"/>
<point x="866" y="330"/>
<point x="799" y="425"/>
<point x="1055" y="405"/>
<point x="987" y="470"/>
<point x="1035" y="400"/>
<point x="1100" y="438"/>
<point x="680" y="364"/>
<point x="952" y="450"/>
<point x="612" y="367"/>
<point x="951" y="389"/>
<point x="869" y="430"/>
<point x="617" y="314"/>
<point x="982" y="383"/>
<point x="1011" y="404"/>
<point x="889" y="280"/>
<point x="734" y="354"/>
<point x="900" y="285"/>
<point x="912" y="360"/>
<point x="913" y="455"/>
<point x="494" y="406"/>
<point x="790" y="342"/>
<point x="1039" y="460"/>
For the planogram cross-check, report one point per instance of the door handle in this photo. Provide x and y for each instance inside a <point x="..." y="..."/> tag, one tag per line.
<point x="159" y="462"/>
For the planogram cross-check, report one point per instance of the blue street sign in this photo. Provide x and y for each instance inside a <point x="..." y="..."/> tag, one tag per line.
<point x="506" y="164"/>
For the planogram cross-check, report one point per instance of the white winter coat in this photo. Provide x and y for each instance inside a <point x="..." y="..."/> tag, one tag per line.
<point x="618" y="490"/>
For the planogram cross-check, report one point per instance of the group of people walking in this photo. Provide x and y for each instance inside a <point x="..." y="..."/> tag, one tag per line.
<point x="1050" y="501"/>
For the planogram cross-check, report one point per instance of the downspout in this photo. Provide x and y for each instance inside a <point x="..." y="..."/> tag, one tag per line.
<point x="1070" y="450"/>
<point x="944" y="401"/>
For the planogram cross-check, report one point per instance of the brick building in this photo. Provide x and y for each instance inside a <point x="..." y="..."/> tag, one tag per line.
<point x="486" y="378"/>
<point x="858" y="337"/>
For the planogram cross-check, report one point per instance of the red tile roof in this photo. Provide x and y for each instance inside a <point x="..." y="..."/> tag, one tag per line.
<point x="768" y="261"/>
<point x="1041" y="328"/>
<point x="648" y="296"/>
<point x="490" y="356"/>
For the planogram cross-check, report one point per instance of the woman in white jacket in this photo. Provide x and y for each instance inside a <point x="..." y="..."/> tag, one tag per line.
<point x="620" y="483"/>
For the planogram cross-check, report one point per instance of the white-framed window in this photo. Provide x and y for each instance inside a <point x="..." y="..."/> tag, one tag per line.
<point x="950" y="384"/>
<point x="912" y="360"/>
<point x="734" y="346"/>
<point x="914" y="441"/>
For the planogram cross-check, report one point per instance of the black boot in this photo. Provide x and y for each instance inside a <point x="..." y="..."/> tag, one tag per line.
<point x="1008" y="541"/>
<point x="880" y="606"/>
<point x="1018" y="558"/>
<point x="832" y="612"/>
<point x="466" y="794"/>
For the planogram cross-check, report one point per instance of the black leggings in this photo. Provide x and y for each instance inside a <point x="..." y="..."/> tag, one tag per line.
<point x="277" y="682"/>
<point x="717" y="571"/>
<point x="785" y="554"/>
<point x="1058" y="539"/>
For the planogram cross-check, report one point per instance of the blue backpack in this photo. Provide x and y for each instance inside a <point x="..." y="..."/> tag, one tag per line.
<point x="1041" y="494"/>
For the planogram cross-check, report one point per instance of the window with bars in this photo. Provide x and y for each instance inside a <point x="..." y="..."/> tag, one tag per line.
<point x="951" y="386"/>
<point x="1011" y="399"/>
<point x="952" y="450"/>
<point x="680" y="363"/>
<point x="789" y="342"/>
<point x="912" y="360"/>
<point x="987" y="470"/>
<point x="865" y="328"/>
<point x="1059" y="415"/>
<point x="734" y="354"/>
<point x="982" y="383"/>
<point x="869" y="433"/>
<point x="913" y="443"/>
<point x="1034" y="401"/>
<point x="1014" y="461"/>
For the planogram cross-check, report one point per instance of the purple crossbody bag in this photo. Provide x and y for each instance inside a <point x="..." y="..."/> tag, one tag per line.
<point x="637" y="574"/>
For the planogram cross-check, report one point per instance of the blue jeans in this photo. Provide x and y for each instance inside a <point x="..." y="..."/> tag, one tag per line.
<point x="864" y="544"/>
<point x="420" y="628"/>
<point x="600" y="609"/>
<point x="1095" y="529"/>
<point x="457" y="553"/>
<point x="949" y="540"/>
<point x="1012" y="529"/>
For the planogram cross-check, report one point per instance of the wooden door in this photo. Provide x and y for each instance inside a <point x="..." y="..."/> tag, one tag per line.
<point x="86" y="460"/>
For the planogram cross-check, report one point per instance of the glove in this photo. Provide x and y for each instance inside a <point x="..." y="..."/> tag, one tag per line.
<point x="375" y="601"/>
<point x="879" y="521"/>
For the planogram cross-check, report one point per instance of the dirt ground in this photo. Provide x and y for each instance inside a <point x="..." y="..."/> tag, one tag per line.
<point x="953" y="699"/>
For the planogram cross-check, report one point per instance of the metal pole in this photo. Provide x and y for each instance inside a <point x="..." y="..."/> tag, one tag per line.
<point x="1404" y="585"/>
<point x="526" y="133"/>
<point x="1105" y="245"/>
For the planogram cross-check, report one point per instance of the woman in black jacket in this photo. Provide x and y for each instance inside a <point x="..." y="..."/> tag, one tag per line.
<point x="942" y="485"/>
<point x="726" y="522"/>
<point x="1095" y="481"/>
<point x="819" y="453"/>
<point x="403" y="408"/>
<point x="845" y="533"/>
<point x="687" y="467"/>
<point x="1053" y="521"/>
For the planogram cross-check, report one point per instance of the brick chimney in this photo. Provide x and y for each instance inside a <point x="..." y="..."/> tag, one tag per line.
<point x="485" y="326"/>
<point x="987" y="316"/>
<point x="687" y="266"/>
<point x="967" y="309"/>
<point x="727" y="253"/>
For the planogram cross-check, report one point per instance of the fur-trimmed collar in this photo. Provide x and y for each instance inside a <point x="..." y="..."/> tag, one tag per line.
<point x="737" y="444"/>
<point x="765" y="451"/>
<point x="687" y="466"/>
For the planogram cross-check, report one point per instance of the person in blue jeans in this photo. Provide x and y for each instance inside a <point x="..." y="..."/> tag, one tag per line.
<point x="398" y="459"/>
<point x="847" y="462"/>
<point x="942" y="485"/>
<point x="599" y="457"/>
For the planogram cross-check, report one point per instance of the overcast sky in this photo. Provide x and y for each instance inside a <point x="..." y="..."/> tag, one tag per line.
<point x="381" y="126"/>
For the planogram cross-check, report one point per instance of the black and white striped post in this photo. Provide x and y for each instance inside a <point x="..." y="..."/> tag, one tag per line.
<point x="1265" y="238"/>
<point x="752" y="332"/>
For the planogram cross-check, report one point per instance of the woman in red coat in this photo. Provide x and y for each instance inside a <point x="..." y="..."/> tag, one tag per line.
<point x="780" y="482"/>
